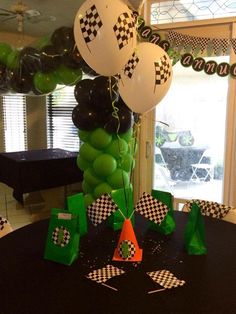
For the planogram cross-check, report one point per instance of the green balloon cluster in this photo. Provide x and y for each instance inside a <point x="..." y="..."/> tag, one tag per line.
<point x="106" y="160"/>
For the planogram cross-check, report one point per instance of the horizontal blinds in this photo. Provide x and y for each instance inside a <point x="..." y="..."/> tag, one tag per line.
<point x="61" y="132"/>
<point x="14" y="122"/>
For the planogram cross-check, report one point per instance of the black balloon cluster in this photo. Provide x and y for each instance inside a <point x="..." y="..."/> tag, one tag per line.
<point x="39" y="70"/>
<point x="99" y="105"/>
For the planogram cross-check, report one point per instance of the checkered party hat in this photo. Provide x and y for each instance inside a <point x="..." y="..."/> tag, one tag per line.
<point x="209" y="208"/>
<point x="90" y="23"/>
<point x="151" y="208"/>
<point x="103" y="274"/>
<point x="101" y="209"/>
<point x="127" y="249"/>
<point x="124" y="29"/>
<point x="165" y="279"/>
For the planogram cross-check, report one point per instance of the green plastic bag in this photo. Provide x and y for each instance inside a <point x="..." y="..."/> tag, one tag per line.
<point x="194" y="233"/>
<point x="168" y="224"/>
<point x="124" y="200"/>
<point x="76" y="202"/>
<point x="62" y="244"/>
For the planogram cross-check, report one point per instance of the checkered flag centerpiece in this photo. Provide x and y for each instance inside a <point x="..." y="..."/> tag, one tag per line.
<point x="131" y="65"/>
<point x="90" y="24"/>
<point x="124" y="29"/>
<point x="209" y="208"/>
<point x="151" y="208"/>
<point x="103" y="274"/>
<point x="165" y="279"/>
<point x="162" y="70"/>
<point x="101" y="209"/>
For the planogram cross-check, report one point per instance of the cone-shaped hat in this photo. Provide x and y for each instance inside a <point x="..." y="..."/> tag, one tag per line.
<point x="127" y="249"/>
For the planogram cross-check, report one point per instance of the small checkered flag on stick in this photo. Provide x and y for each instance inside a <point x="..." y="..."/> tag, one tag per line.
<point x="123" y="29"/>
<point x="101" y="209"/>
<point x="90" y="24"/>
<point x="165" y="279"/>
<point x="151" y="208"/>
<point x="103" y="274"/>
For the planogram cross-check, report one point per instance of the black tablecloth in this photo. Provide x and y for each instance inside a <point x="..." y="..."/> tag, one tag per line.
<point x="30" y="284"/>
<point x="34" y="170"/>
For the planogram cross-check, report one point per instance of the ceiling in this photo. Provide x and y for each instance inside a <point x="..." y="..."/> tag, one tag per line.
<point x="53" y="14"/>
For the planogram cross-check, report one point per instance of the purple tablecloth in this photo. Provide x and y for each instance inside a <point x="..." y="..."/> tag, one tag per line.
<point x="34" y="170"/>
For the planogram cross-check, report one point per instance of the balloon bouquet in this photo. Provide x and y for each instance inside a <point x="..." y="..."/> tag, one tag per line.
<point x="132" y="78"/>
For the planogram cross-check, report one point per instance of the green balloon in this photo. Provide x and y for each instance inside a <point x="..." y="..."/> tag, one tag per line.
<point x="84" y="135"/>
<point x="44" y="82"/>
<point x="5" y="51"/>
<point x="12" y="61"/>
<point x="127" y="135"/>
<point x="100" y="138"/>
<point x="118" y="179"/>
<point x="88" y="152"/>
<point x="127" y="162"/>
<point x="117" y="148"/>
<point x="68" y="76"/>
<point x="88" y="199"/>
<point x="82" y="163"/>
<point x="86" y="187"/>
<point x="101" y="189"/>
<point x="91" y="178"/>
<point x="104" y="165"/>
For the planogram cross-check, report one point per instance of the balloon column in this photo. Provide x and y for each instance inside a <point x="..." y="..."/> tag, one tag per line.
<point x="106" y="154"/>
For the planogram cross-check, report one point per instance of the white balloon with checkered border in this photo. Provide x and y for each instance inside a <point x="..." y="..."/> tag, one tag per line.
<point x="146" y="77"/>
<point x="105" y="35"/>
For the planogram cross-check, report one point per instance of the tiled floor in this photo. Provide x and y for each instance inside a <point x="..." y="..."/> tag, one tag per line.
<point x="37" y="205"/>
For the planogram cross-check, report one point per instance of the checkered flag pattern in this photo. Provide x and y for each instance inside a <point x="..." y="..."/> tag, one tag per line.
<point x="124" y="29"/>
<point x="61" y="236"/>
<point x="233" y="44"/>
<point x="211" y="209"/>
<point x="151" y="208"/>
<point x="3" y="222"/>
<point x="131" y="65"/>
<point x="90" y="24"/>
<point x="165" y="279"/>
<point x="175" y="38"/>
<point x="103" y="274"/>
<point x="162" y="70"/>
<point x="126" y="249"/>
<point x="101" y="209"/>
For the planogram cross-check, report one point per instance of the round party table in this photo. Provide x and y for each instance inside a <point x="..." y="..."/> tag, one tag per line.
<point x="31" y="284"/>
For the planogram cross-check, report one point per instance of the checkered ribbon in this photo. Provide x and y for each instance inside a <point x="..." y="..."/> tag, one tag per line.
<point x="126" y="249"/>
<point x="103" y="274"/>
<point x="165" y="279"/>
<point x="162" y="70"/>
<point x="131" y="65"/>
<point x="175" y="38"/>
<point x="208" y="208"/>
<point x="220" y="43"/>
<point x="3" y="222"/>
<point x="233" y="44"/>
<point x="151" y="208"/>
<point x="101" y="209"/>
<point x="61" y="236"/>
<point x="90" y="24"/>
<point x="124" y="29"/>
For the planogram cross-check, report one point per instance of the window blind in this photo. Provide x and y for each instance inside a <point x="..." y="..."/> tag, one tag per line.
<point x="14" y="122"/>
<point x="61" y="132"/>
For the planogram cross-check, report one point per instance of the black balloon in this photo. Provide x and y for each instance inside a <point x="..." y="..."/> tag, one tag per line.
<point x="87" y="69"/>
<point x="121" y="104"/>
<point x="73" y="59"/>
<point x="50" y="59"/>
<point x="82" y="91"/>
<point x="85" y="118"/>
<point x="104" y="92"/>
<point x="30" y="59"/>
<point x="121" y="124"/>
<point x="63" y="39"/>
<point x="3" y="75"/>
<point x="20" y="81"/>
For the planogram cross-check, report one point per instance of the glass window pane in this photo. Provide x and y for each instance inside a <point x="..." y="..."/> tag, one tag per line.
<point x="189" y="156"/>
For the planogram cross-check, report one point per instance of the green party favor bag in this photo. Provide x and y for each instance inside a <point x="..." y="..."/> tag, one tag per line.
<point x="76" y="202"/>
<point x="194" y="233"/>
<point x="168" y="225"/>
<point x="62" y="244"/>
